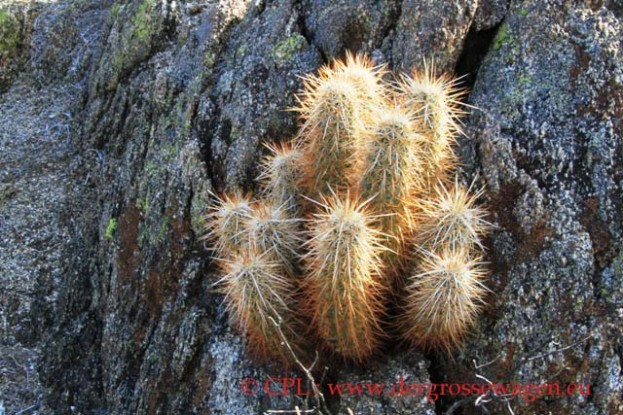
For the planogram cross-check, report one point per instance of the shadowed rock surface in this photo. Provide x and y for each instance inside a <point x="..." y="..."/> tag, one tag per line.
<point x="118" y="118"/>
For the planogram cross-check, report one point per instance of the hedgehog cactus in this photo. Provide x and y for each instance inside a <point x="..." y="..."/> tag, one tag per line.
<point x="225" y="224"/>
<point x="361" y="138"/>
<point x="436" y="100"/>
<point x="389" y="173"/>
<point x="280" y="175"/>
<point x="271" y="232"/>
<point x="451" y="218"/>
<point x="330" y="107"/>
<point x="444" y="298"/>
<point x="343" y="290"/>
<point x="256" y="290"/>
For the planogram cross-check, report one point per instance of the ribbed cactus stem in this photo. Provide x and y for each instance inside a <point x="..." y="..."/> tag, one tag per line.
<point x="281" y="172"/>
<point x="444" y="297"/>
<point x="390" y="174"/>
<point x="255" y="290"/>
<point x="436" y="101"/>
<point x="329" y="107"/>
<point x="272" y="232"/>
<point x="226" y="224"/>
<point x="450" y="218"/>
<point x="366" y="79"/>
<point x="343" y="292"/>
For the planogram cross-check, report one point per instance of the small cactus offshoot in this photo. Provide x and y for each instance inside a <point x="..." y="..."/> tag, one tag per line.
<point x="444" y="297"/>
<point x="271" y="232"/>
<point x="362" y="138"/>
<point x="281" y="174"/>
<point x="225" y="224"/>
<point x="451" y="218"/>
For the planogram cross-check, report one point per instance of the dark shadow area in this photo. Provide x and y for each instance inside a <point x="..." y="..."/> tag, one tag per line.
<point x="475" y="48"/>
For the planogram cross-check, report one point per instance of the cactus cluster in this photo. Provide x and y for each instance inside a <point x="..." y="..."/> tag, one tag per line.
<point x="359" y="210"/>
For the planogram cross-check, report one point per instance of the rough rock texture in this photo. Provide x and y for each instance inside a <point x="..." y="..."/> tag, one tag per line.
<point x="548" y="145"/>
<point x="130" y="112"/>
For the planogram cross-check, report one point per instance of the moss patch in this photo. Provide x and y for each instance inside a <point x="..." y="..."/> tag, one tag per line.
<point x="111" y="228"/>
<point x="9" y="34"/>
<point x="285" y="50"/>
<point x="114" y="11"/>
<point x="142" y="20"/>
<point x="500" y="38"/>
<point x="136" y="39"/>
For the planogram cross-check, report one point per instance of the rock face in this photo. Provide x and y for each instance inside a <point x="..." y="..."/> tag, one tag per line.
<point x="126" y="114"/>
<point x="15" y="27"/>
<point x="548" y="144"/>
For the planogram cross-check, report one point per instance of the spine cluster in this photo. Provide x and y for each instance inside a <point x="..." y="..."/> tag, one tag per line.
<point x="362" y="195"/>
